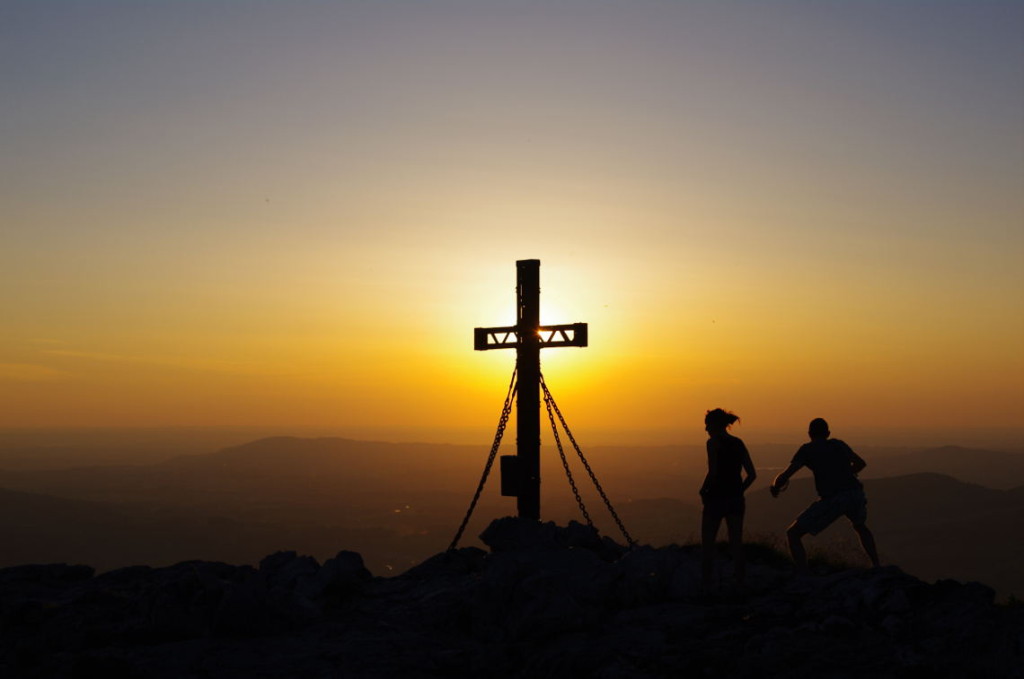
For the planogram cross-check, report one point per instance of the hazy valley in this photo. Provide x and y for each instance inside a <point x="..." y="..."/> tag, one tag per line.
<point x="938" y="513"/>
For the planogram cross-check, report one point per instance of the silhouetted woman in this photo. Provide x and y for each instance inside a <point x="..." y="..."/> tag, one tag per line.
<point x="722" y="492"/>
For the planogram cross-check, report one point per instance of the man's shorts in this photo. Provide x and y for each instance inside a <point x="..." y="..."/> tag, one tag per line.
<point x="852" y="504"/>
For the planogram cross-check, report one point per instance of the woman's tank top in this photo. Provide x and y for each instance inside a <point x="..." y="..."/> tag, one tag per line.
<point x="729" y="451"/>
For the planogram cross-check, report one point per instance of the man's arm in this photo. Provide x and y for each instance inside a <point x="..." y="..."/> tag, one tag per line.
<point x="857" y="462"/>
<point x="779" y="484"/>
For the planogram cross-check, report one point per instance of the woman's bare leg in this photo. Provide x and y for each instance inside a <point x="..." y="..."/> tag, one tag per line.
<point x="708" y="533"/>
<point x="734" y="524"/>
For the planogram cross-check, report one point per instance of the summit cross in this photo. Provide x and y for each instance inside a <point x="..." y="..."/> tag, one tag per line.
<point x="521" y="474"/>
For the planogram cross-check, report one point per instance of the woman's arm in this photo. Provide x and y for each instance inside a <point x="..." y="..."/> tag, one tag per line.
<point x="748" y="467"/>
<point x="712" y="447"/>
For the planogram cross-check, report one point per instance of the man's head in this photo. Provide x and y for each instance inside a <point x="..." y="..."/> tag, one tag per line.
<point x="818" y="429"/>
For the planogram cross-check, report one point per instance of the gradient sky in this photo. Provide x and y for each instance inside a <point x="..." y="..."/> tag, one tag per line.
<point x="294" y="213"/>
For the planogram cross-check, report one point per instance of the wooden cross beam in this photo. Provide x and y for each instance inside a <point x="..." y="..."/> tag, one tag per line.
<point x="521" y="474"/>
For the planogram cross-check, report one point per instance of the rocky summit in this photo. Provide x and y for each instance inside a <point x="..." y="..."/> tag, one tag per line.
<point x="546" y="601"/>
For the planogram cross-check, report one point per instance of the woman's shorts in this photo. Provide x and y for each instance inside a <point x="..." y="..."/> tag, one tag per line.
<point x="718" y="507"/>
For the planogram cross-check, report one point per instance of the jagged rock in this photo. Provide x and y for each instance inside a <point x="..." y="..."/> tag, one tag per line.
<point x="650" y="575"/>
<point x="285" y="569"/>
<point x="516" y="534"/>
<point x="185" y="600"/>
<point x="337" y="581"/>
<point x="454" y="563"/>
<point x="243" y="610"/>
<point x="548" y="601"/>
<point x="124" y="576"/>
<point x="511" y="534"/>
<point x="527" y="594"/>
<point x="55" y="573"/>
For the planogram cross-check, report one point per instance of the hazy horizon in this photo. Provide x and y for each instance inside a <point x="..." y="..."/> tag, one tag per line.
<point x="1005" y="439"/>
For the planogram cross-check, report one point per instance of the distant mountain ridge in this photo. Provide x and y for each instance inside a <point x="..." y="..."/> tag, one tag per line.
<point x="991" y="468"/>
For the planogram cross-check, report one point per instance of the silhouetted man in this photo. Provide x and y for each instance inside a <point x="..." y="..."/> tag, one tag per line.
<point x="835" y="467"/>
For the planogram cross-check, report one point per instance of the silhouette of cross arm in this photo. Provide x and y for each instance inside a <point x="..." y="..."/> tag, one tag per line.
<point x="569" y="335"/>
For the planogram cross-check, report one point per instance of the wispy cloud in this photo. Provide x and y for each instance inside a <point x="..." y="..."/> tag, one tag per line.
<point x="177" y="362"/>
<point x="99" y="356"/>
<point x="29" y="372"/>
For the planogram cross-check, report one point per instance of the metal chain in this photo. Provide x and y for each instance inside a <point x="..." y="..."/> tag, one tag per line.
<point x="565" y="462"/>
<point x="502" y="422"/>
<point x="593" y="477"/>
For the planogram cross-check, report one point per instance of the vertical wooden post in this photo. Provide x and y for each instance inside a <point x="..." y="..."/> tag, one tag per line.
<point x="528" y="398"/>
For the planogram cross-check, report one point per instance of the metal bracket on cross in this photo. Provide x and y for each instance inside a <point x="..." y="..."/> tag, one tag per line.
<point x="571" y="335"/>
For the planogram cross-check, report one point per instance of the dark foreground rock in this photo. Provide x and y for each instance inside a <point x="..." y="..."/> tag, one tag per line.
<point x="547" y="601"/>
